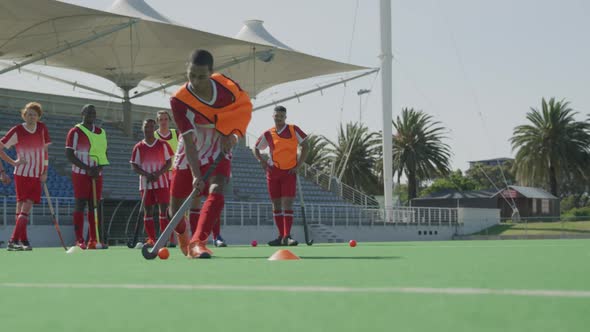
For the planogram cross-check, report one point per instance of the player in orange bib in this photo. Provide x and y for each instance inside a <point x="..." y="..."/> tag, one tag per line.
<point x="281" y="168"/>
<point x="211" y="112"/>
<point x="151" y="159"/>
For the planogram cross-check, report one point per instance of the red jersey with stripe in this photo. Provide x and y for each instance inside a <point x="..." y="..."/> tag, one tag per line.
<point x="79" y="142"/>
<point x="206" y="138"/>
<point x="151" y="158"/>
<point x="265" y="140"/>
<point x="30" y="146"/>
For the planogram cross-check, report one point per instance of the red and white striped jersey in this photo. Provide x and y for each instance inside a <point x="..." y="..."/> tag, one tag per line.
<point x="151" y="158"/>
<point x="265" y="140"/>
<point x="206" y="138"/>
<point x="30" y="146"/>
<point x="79" y="142"/>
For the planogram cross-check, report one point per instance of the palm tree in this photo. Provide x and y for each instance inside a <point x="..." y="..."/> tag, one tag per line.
<point x="553" y="143"/>
<point x="354" y="155"/>
<point x="317" y="156"/>
<point x="418" y="149"/>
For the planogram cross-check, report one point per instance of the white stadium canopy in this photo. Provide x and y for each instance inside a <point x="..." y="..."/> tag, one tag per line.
<point x="132" y="42"/>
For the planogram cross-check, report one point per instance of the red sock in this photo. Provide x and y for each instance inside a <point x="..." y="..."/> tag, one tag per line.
<point x="181" y="227"/>
<point x="91" y="226"/>
<point x="278" y="217"/>
<point x="22" y="221"/>
<point x="288" y="221"/>
<point x="150" y="227"/>
<point x="15" y="232"/>
<point x="209" y="214"/>
<point x="216" y="230"/>
<point x="163" y="224"/>
<point x="194" y="219"/>
<point x="79" y="225"/>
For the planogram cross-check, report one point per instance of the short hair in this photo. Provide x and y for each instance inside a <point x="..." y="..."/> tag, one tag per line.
<point x="35" y="107"/>
<point x="87" y="107"/>
<point x="146" y="121"/>
<point x="280" y="109"/>
<point x="162" y="112"/>
<point x="201" y="58"/>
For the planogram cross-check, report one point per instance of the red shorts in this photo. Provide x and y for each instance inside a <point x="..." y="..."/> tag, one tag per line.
<point x="280" y="183"/>
<point x="182" y="179"/>
<point x="27" y="188"/>
<point x="82" y="184"/>
<point x="156" y="196"/>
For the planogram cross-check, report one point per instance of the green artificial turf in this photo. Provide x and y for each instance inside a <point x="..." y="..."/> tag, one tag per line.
<point x="36" y="291"/>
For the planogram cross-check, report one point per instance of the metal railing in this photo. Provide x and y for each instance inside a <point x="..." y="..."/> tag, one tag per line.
<point x="63" y="206"/>
<point x="332" y="184"/>
<point x="260" y="214"/>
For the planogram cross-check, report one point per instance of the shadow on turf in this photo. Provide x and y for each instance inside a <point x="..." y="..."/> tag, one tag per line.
<point x="320" y="257"/>
<point x="351" y="257"/>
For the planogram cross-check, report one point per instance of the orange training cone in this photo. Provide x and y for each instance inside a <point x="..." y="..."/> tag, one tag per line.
<point x="283" y="255"/>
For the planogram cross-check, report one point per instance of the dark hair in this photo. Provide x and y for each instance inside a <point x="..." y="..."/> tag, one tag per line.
<point x="201" y="58"/>
<point x="280" y="109"/>
<point x="87" y="107"/>
<point x="146" y="121"/>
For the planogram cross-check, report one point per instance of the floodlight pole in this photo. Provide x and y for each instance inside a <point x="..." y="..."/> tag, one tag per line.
<point x="69" y="46"/>
<point x="387" y="104"/>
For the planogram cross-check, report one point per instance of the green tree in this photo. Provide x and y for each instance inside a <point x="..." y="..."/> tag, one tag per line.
<point x="354" y="155"/>
<point x="454" y="181"/>
<point x="497" y="176"/>
<point x="553" y="143"/>
<point x="318" y="154"/>
<point x="419" y="152"/>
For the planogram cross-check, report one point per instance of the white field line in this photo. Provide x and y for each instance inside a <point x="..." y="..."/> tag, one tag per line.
<point x="316" y="289"/>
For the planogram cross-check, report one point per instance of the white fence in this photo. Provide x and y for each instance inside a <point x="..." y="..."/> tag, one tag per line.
<point x="248" y="213"/>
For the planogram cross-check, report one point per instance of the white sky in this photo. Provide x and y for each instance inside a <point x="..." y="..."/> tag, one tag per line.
<point x="476" y="65"/>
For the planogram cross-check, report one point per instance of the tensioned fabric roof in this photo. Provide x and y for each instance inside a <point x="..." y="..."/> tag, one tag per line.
<point x="143" y="45"/>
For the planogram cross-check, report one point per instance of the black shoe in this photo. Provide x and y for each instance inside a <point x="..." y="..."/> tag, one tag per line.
<point x="288" y="241"/>
<point x="276" y="242"/>
<point x="26" y="245"/>
<point x="14" y="246"/>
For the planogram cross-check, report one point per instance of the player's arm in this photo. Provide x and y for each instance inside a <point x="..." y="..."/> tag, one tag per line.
<point x="260" y="159"/>
<point x="74" y="160"/>
<point x="192" y="157"/>
<point x="4" y="178"/>
<point x="261" y="144"/>
<point x="304" y="152"/>
<point x="187" y="129"/>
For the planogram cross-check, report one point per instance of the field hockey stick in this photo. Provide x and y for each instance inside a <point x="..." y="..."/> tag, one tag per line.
<point x="53" y="216"/>
<point x="308" y="241"/>
<point x="132" y="242"/>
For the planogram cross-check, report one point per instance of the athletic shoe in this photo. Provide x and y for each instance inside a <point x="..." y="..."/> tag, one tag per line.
<point x="288" y="241"/>
<point x="219" y="242"/>
<point x="26" y="245"/>
<point x="14" y="246"/>
<point x="184" y="240"/>
<point x="198" y="249"/>
<point x="149" y="242"/>
<point x="91" y="245"/>
<point x="81" y="244"/>
<point x="276" y="242"/>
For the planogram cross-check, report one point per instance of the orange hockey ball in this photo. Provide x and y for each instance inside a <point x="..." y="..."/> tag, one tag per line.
<point x="352" y="243"/>
<point x="163" y="253"/>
